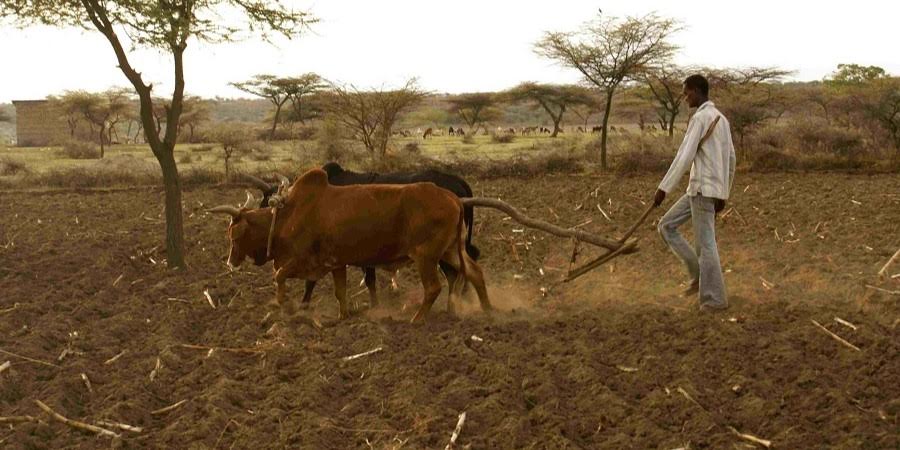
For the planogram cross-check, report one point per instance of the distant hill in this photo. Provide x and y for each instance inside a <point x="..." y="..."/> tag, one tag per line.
<point x="239" y="109"/>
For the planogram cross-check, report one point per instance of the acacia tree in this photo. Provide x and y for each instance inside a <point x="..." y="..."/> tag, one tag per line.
<point x="475" y="109"/>
<point x="553" y="98"/>
<point x="586" y="110"/>
<point x="609" y="51"/>
<point x="195" y="112"/>
<point x="166" y="26"/>
<point x="299" y="90"/>
<point x="370" y="115"/>
<point x="664" y="85"/>
<point x="748" y="97"/>
<point x="68" y="105"/>
<point x="270" y="88"/>
<point x="879" y="101"/>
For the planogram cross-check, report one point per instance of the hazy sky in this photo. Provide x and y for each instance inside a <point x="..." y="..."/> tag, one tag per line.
<point x="463" y="45"/>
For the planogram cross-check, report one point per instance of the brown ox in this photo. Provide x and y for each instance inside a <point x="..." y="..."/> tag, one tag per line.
<point x="324" y="228"/>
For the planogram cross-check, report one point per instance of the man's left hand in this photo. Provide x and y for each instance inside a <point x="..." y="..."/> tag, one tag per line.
<point x="719" y="205"/>
<point x="659" y="197"/>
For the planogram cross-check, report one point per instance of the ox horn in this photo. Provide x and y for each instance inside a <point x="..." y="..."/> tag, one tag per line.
<point x="249" y="202"/>
<point x="262" y="185"/>
<point x="225" y="209"/>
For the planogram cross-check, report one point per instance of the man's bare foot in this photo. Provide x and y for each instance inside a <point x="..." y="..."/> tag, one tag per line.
<point x="693" y="289"/>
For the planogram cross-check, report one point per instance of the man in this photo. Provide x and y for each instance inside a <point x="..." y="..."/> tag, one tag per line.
<point x="708" y="150"/>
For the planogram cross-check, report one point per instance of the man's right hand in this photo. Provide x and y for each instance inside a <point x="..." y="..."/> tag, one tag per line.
<point x="659" y="197"/>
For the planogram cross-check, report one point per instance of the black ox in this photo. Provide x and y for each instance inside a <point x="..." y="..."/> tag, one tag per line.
<point x="338" y="176"/>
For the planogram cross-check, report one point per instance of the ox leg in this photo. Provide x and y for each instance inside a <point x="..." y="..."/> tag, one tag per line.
<point x="431" y="284"/>
<point x="281" y="291"/>
<point x="372" y="285"/>
<point x="307" y="295"/>
<point x="452" y="275"/>
<point x="476" y="277"/>
<point x="340" y="291"/>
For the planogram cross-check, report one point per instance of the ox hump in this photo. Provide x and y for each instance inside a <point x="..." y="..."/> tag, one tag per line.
<point x="315" y="178"/>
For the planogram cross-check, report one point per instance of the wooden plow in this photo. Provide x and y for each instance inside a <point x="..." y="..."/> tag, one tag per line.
<point x="614" y="248"/>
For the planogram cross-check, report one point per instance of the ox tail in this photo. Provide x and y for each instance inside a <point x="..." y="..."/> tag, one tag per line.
<point x="469" y="218"/>
<point x="461" y="249"/>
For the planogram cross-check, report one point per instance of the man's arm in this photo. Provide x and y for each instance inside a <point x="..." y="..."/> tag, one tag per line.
<point x="683" y="159"/>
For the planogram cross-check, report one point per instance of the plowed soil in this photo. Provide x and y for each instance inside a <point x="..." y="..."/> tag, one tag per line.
<point x="616" y="359"/>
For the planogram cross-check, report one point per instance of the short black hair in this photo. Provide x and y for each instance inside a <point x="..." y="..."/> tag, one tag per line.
<point x="697" y="82"/>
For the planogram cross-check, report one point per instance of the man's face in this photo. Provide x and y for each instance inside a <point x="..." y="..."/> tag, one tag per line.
<point x="692" y="96"/>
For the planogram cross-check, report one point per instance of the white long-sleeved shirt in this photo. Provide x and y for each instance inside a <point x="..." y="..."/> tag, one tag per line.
<point x="712" y="166"/>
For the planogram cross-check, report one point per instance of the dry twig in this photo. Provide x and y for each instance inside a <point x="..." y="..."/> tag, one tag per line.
<point x="876" y="288"/>
<point x="74" y="423"/>
<point x="360" y="355"/>
<point x="87" y="382"/>
<point x="845" y="323"/>
<point x="838" y="338"/>
<point x="36" y="361"/>
<point x="19" y="419"/>
<point x="167" y="408"/>
<point x="14" y="307"/>
<point x="5" y="366"/>
<point x="121" y="426"/>
<point x="456" y="431"/>
<point x="688" y="396"/>
<point x="749" y="437"/>
<point x="114" y="358"/>
<point x="209" y="298"/>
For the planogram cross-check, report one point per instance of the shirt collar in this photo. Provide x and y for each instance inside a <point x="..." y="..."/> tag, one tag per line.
<point x="705" y="104"/>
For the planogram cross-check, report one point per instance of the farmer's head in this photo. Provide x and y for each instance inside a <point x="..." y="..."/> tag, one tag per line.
<point x="696" y="90"/>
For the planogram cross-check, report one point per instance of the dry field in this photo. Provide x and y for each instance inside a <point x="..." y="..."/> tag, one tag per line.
<point x="613" y="360"/>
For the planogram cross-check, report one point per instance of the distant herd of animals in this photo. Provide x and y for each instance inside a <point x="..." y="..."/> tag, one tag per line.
<point x="521" y="131"/>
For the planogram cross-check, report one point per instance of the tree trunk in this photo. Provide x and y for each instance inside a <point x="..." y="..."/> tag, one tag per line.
<point x="605" y="128"/>
<point x="556" y="121"/>
<point x="102" y="135"/>
<point x="174" y="217"/>
<point x="275" y="120"/>
<point x="671" y="127"/>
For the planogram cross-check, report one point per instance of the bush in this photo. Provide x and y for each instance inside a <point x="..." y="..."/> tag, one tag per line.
<point x="770" y="137"/>
<point x="260" y="156"/>
<point x="9" y="167"/>
<point x="646" y="161"/>
<point x="306" y="133"/>
<point x="770" y="160"/>
<point x="468" y="139"/>
<point x="503" y="138"/>
<point x="74" y="149"/>
<point x="818" y="136"/>
<point x="330" y="142"/>
<point x="412" y="148"/>
<point x="185" y="159"/>
<point x="203" y="148"/>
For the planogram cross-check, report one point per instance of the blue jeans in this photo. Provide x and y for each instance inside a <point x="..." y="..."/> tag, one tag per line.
<point x="702" y="261"/>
